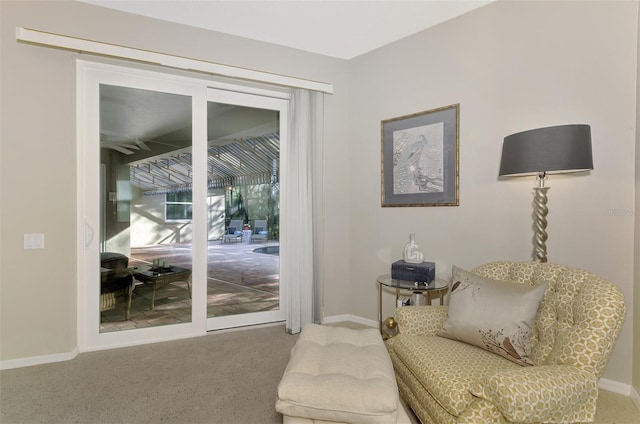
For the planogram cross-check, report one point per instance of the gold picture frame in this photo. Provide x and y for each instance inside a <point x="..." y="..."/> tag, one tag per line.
<point x="420" y="158"/>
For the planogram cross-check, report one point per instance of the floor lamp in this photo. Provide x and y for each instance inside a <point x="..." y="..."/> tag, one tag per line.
<point x="543" y="151"/>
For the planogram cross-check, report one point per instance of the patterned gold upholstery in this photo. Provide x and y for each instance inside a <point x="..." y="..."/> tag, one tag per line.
<point x="577" y="325"/>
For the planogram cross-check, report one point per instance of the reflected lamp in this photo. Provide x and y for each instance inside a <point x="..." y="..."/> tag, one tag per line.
<point x="543" y="151"/>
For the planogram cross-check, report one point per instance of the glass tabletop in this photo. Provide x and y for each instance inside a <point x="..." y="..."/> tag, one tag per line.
<point x="436" y="284"/>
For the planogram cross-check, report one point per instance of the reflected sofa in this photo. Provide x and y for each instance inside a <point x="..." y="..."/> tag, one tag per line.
<point x="574" y="328"/>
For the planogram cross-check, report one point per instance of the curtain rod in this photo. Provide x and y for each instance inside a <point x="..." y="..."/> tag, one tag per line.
<point x="171" y="61"/>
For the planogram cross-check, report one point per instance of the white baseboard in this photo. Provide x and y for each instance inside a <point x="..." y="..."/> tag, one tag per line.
<point x="614" y="386"/>
<point x="352" y="318"/>
<point x="38" y="360"/>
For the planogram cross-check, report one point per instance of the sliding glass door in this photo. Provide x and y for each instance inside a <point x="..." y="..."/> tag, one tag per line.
<point x="179" y="194"/>
<point x="142" y="256"/>
<point x="244" y="139"/>
<point x="146" y="230"/>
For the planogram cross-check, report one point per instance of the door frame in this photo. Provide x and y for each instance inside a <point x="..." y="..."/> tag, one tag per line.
<point x="281" y="105"/>
<point x="89" y="76"/>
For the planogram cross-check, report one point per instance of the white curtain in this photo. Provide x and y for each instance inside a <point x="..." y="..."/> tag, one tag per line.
<point x="301" y="209"/>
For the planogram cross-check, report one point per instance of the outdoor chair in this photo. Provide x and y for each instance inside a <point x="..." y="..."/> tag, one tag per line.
<point x="234" y="231"/>
<point x="260" y="233"/>
<point x="116" y="281"/>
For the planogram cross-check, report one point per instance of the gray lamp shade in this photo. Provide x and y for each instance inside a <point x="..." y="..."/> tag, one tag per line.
<point x="563" y="148"/>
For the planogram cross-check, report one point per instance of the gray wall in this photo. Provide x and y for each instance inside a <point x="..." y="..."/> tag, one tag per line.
<point x="636" y="292"/>
<point x="512" y="66"/>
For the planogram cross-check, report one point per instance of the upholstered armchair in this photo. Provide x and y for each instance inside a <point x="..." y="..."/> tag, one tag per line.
<point x="552" y="378"/>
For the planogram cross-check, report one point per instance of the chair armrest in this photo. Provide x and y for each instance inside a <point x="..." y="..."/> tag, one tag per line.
<point x="546" y="393"/>
<point x="115" y="273"/>
<point x="420" y="320"/>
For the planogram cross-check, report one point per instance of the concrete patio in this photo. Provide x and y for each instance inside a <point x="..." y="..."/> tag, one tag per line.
<point x="239" y="280"/>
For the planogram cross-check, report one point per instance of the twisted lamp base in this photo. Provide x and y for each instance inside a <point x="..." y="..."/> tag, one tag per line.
<point x="540" y="212"/>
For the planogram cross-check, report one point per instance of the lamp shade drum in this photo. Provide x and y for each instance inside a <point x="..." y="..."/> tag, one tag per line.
<point x="559" y="149"/>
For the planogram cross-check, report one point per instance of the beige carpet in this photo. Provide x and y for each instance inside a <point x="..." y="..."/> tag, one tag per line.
<point x="224" y="378"/>
<point x="220" y="378"/>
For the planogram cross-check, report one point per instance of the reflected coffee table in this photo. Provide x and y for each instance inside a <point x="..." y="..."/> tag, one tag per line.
<point x="158" y="277"/>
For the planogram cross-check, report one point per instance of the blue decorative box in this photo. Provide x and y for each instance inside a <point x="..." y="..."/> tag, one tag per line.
<point x="422" y="273"/>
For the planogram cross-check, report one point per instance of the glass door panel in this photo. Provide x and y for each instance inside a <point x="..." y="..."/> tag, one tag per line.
<point x="166" y="166"/>
<point x="145" y="208"/>
<point x="243" y="166"/>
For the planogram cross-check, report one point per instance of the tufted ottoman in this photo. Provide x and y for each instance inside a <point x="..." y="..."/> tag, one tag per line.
<point x="339" y="375"/>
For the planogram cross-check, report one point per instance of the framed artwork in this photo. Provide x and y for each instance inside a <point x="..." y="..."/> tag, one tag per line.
<point x="420" y="154"/>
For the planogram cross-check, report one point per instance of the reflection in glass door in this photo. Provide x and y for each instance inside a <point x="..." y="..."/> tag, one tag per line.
<point x="146" y="208"/>
<point x="244" y="134"/>
<point x="147" y="200"/>
<point x="166" y="166"/>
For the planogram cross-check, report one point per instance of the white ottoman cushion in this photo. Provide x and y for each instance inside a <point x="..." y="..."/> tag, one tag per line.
<point x="340" y="375"/>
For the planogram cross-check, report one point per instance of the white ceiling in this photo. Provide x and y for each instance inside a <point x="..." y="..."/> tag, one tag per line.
<point x="339" y="28"/>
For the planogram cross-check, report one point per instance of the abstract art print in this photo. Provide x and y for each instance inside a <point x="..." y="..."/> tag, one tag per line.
<point x="420" y="158"/>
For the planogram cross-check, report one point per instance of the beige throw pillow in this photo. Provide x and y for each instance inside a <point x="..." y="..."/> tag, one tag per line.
<point x="491" y="314"/>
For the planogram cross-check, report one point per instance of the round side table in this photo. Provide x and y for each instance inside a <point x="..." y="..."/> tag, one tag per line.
<point x="437" y="288"/>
